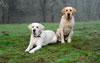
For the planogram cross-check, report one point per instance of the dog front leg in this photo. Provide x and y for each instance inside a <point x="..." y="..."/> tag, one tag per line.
<point x="70" y="36"/>
<point x="29" y="46"/>
<point x="35" y="49"/>
<point x="62" y="36"/>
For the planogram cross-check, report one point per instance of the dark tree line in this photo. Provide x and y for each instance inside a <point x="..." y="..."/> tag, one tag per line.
<point x="27" y="11"/>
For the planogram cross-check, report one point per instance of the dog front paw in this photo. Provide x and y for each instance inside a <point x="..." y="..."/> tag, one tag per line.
<point x="31" y="52"/>
<point x="62" y="41"/>
<point x="69" y="40"/>
<point x="26" y="50"/>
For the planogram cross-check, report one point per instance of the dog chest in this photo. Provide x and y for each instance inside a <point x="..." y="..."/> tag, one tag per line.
<point x="66" y="30"/>
<point x="67" y="27"/>
<point x="37" y="40"/>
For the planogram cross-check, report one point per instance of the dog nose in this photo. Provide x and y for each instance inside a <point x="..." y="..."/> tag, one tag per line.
<point x="34" y="30"/>
<point x="68" y="14"/>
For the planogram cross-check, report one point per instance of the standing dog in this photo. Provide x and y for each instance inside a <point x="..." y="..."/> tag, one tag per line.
<point x="39" y="37"/>
<point x="65" y="30"/>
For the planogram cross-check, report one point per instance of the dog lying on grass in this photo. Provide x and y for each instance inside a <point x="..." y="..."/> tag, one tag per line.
<point x="40" y="37"/>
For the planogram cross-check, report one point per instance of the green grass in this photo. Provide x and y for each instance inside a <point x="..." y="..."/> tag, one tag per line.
<point x="85" y="46"/>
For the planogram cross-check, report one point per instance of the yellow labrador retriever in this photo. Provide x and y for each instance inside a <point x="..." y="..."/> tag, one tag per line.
<point x="40" y="37"/>
<point x="65" y="30"/>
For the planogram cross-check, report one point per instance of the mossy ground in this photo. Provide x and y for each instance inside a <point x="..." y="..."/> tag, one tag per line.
<point x="85" y="46"/>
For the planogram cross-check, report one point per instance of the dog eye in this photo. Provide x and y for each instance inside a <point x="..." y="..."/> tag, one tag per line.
<point x="70" y="10"/>
<point x="66" y="10"/>
<point x="37" y="27"/>
<point x="32" y="26"/>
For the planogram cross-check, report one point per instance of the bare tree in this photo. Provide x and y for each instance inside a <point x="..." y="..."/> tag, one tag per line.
<point x="43" y="9"/>
<point x="25" y="11"/>
<point x="3" y="10"/>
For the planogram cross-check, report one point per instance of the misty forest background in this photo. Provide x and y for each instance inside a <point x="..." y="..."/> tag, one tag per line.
<point x="28" y="11"/>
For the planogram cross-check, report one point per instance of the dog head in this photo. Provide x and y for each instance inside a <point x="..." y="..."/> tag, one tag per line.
<point x="68" y="11"/>
<point x="36" y="28"/>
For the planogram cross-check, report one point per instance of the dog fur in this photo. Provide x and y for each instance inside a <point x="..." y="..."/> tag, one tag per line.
<point x="40" y="37"/>
<point x="65" y="30"/>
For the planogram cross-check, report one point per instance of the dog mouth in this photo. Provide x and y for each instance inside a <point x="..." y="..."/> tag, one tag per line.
<point x="34" y="34"/>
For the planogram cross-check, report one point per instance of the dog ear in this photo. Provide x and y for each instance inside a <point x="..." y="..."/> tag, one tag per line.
<point x="41" y="27"/>
<point x="74" y="10"/>
<point x="30" y="27"/>
<point x="63" y="10"/>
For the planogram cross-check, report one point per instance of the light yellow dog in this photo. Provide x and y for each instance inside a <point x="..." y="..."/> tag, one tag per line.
<point x="65" y="30"/>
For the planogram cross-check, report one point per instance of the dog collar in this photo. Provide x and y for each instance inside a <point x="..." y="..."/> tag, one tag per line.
<point x="38" y="35"/>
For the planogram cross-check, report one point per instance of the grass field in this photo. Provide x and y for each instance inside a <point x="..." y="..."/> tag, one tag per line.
<point x="85" y="46"/>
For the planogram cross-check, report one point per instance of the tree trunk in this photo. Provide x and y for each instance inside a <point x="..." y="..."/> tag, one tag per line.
<point x="43" y="7"/>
